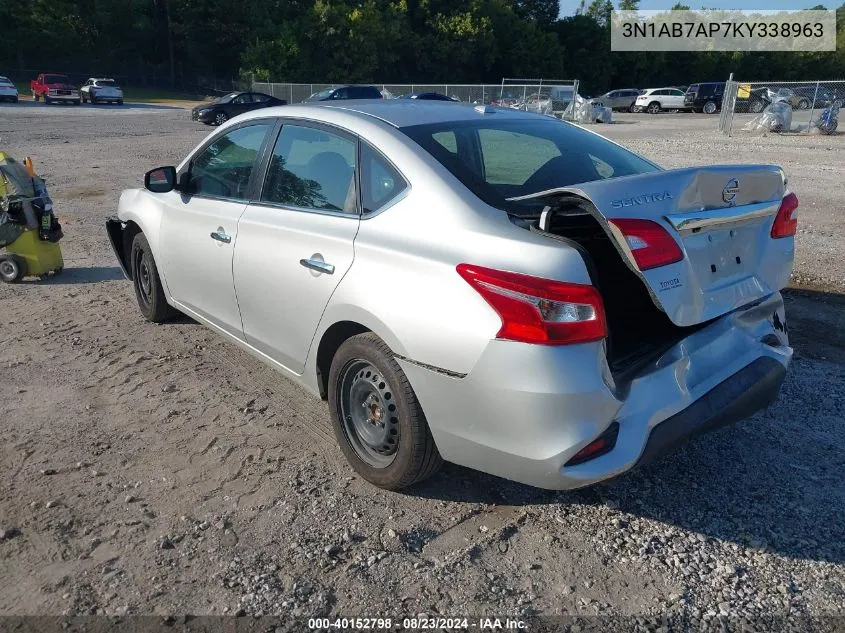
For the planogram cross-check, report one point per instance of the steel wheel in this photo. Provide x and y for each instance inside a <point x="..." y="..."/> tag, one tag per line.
<point x="369" y="414"/>
<point x="142" y="275"/>
<point x="220" y="118"/>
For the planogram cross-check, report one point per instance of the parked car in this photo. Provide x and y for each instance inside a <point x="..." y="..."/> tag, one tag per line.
<point x="653" y="100"/>
<point x="347" y="92"/>
<point x="705" y="97"/>
<point x="619" y="99"/>
<point x="102" y="90"/>
<point x="813" y="96"/>
<point x="8" y="91"/>
<point x="556" y="317"/>
<point x="54" y="88"/>
<point x="429" y="96"/>
<point x="231" y="105"/>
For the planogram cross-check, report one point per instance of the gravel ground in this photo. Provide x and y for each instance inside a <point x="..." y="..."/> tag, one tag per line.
<point x="159" y="470"/>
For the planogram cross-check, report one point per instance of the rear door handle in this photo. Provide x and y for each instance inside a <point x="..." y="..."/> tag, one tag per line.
<point x="319" y="266"/>
<point x="220" y="236"/>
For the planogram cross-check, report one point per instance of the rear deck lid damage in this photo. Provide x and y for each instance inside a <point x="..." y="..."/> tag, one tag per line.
<point x="721" y="219"/>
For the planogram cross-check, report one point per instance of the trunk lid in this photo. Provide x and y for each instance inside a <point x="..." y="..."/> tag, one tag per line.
<point x="720" y="216"/>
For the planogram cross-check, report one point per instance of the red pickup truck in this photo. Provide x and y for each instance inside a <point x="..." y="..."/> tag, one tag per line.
<point x="53" y="87"/>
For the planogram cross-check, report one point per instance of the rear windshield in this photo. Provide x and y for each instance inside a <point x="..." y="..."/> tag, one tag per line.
<point x="56" y="79"/>
<point x="5" y="81"/>
<point x="501" y="159"/>
<point x="107" y="83"/>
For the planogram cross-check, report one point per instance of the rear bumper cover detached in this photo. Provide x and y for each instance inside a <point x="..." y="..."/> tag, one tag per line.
<point x="524" y="411"/>
<point x="734" y="399"/>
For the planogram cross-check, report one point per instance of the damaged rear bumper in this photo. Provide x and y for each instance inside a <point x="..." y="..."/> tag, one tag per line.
<point x="525" y="411"/>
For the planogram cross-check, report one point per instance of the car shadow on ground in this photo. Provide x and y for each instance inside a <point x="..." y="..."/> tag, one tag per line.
<point x="89" y="275"/>
<point x="772" y="482"/>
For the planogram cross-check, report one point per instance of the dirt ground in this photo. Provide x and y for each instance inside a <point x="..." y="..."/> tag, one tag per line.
<point x="159" y="470"/>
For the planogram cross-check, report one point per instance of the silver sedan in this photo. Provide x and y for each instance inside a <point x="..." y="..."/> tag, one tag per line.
<point x="484" y="286"/>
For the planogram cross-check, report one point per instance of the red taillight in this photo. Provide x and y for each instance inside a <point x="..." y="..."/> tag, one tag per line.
<point x="604" y="443"/>
<point x="785" y="225"/>
<point x="537" y="310"/>
<point x="649" y="242"/>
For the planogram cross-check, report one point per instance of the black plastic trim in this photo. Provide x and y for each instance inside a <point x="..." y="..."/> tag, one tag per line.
<point x="743" y="394"/>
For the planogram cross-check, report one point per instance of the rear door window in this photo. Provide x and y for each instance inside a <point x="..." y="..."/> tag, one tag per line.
<point x="311" y="168"/>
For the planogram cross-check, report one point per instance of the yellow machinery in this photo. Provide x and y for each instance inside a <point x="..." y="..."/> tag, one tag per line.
<point x="28" y="229"/>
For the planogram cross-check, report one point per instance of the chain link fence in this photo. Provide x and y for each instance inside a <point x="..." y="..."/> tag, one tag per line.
<point x="780" y="106"/>
<point x="544" y="96"/>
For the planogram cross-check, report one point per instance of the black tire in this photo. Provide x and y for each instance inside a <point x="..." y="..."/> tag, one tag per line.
<point x="710" y="107"/>
<point x="12" y="268"/>
<point x="47" y="100"/>
<point x="77" y="102"/>
<point x="632" y="108"/>
<point x="35" y="97"/>
<point x="92" y="100"/>
<point x="653" y="107"/>
<point x="804" y="104"/>
<point x="147" y="283"/>
<point x="120" y="102"/>
<point x="220" y="118"/>
<point x="412" y="456"/>
<point x="755" y="107"/>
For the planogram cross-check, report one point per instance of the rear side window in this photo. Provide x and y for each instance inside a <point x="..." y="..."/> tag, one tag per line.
<point x="499" y="159"/>
<point x="380" y="182"/>
<point x="312" y="169"/>
<point x="224" y="168"/>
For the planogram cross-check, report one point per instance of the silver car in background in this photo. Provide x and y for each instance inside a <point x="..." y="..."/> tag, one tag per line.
<point x="8" y="90"/>
<point x="485" y="286"/>
<point x="101" y="90"/>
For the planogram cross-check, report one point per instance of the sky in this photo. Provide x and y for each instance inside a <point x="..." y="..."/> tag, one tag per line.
<point x="568" y="7"/>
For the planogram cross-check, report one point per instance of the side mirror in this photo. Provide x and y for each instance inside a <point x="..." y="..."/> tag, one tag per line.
<point x="160" y="180"/>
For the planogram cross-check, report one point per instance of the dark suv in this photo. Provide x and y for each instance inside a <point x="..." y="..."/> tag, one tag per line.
<point x="346" y="92"/>
<point x="705" y="97"/>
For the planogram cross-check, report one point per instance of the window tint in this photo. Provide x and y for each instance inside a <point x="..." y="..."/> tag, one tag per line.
<point x="242" y="99"/>
<point x="522" y="157"/>
<point x="510" y="158"/>
<point x="257" y="97"/>
<point x="312" y="169"/>
<point x="223" y="169"/>
<point x="447" y="140"/>
<point x="380" y="181"/>
<point x="677" y="93"/>
<point x="364" y="92"/>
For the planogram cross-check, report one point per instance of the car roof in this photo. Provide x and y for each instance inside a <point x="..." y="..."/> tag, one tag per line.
<point x="396" y="112"/>
<point x="100" y="79"/>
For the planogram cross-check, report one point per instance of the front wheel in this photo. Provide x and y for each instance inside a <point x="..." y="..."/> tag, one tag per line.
<point x="148" y="289"/>
<point x="804" y="104"/>
<point x="220" y="118"/>
<point x="12" y="269"/>
<point x="756" y="107"/>
<point x="653" y="107"/>
<point x="710" y="107"/>
<point x="377" y="419"/>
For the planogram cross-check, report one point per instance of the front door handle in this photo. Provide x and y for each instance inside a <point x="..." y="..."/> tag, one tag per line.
<point x="221" y="236"/>
<point x="319" y="266"/>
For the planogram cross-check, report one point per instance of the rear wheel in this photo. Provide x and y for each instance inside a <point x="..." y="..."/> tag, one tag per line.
<point x="804" y="104"/>
<point x="633" y="108"/>
<point x="148" y="289"/>
<point x="756" y="107"/>
<point x="47" y="100"/>
<point x="377" y="419"/>
<point x="653" y="107"/>
<point x="710" y="107"/>
<point x="12" y="269"/>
